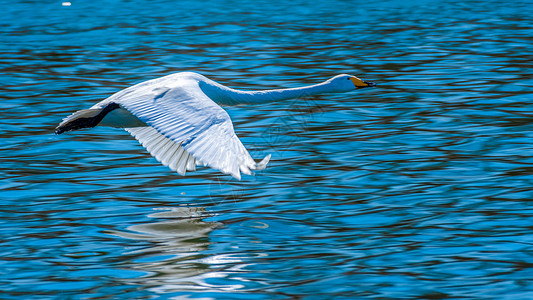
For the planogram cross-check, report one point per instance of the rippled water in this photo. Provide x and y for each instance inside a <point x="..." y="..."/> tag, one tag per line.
<point x="419" y="188"/>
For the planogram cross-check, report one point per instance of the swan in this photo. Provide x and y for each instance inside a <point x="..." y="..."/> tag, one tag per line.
<point x="177" y="118"/>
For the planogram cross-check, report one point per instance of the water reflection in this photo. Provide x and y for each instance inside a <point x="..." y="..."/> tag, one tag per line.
<point x="173" y="261"/>
<point x="175" y="240"/>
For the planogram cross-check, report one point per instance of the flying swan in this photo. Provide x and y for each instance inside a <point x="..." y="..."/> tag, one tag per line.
<point x="177" y="118"/>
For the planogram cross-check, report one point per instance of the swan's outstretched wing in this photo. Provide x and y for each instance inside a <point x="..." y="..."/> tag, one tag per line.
<point x="165" y="150"/>
<point x="187" y="128"/>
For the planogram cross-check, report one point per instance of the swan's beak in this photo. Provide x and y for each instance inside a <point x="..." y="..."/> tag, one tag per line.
<point x="359" y="84"/>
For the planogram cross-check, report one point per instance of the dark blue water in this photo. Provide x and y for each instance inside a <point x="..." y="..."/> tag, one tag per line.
<point x="420" y="188"/>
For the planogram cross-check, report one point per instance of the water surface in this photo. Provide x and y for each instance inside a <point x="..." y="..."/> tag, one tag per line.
<point x="419" y="188"/>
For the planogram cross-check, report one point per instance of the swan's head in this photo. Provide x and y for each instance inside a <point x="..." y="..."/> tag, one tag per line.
<point x="346" y="83"/>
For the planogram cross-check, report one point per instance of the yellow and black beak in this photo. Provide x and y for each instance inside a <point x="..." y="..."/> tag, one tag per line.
<point x="359" y="84"/>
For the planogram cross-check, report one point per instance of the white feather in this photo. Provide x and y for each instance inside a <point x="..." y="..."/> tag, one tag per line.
<point x="183" y="115"/>
<point x="177" y="119"/>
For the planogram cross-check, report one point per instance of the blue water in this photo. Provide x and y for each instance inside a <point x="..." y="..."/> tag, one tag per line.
<point x="419" y="188"/>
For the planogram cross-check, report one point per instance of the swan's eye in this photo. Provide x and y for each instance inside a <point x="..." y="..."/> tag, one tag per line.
<point x="348" y="78"/>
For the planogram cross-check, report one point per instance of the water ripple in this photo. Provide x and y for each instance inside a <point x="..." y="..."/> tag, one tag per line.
<point x="418" y="188"/>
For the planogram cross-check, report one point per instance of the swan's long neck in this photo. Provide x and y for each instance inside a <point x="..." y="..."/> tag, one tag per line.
<point x="227" y="96"/>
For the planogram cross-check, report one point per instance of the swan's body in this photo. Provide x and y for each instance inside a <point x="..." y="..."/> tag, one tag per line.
<point x="178" y="120"/>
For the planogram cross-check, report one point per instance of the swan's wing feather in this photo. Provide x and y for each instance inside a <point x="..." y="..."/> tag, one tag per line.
<point x="165" y="150"/>
<point x="187" y="128"/>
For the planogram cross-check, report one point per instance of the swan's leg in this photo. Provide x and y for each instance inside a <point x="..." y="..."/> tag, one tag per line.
<point x="85" y="118"/>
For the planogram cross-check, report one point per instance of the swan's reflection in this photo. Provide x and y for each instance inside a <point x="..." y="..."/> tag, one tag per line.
<point x="176" y="257"/>
<point x="185" y="231"/>
<point x="174" y="245"/>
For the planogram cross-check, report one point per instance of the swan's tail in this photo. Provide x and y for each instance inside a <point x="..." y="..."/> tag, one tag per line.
<point x="85" y="118"/>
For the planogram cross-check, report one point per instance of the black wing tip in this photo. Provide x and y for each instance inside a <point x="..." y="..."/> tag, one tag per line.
<point x="59" y="131"/>
<point x="80" y="120"/>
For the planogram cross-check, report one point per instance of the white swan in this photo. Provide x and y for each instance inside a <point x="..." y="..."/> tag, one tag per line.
<point x="177" y="119"/>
